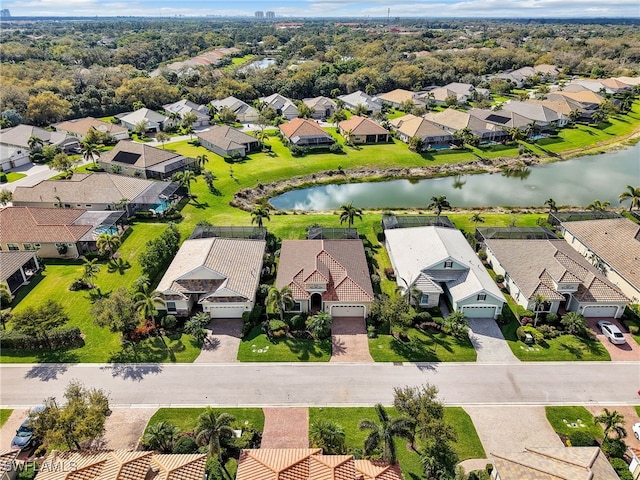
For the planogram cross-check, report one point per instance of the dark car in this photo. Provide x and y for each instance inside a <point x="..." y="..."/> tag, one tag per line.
<point x="24" y="435"/>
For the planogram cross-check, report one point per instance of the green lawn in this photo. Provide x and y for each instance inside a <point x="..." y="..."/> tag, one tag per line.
<point x="565" y="420"/>
<point x="5" y="413"/>
<point x="422" y="347"/>
<point x="468" y="444"/>
<point x="256" y="347"/>
<point x="13" y="176"/>
<point x="186" y="418"/>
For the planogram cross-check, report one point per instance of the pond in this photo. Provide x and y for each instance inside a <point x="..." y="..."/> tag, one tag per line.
<point x="259" y="64"/>
<point x="575" y="182"/>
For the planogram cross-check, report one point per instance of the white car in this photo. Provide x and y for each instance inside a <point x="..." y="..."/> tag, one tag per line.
<point x="636" y="430"/>
<point x="612" y="332"/>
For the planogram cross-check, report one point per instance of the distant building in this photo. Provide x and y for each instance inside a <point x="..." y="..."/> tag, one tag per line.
<point x="271" y="15"/>
<point x="259" y="15"/>
<point x="4" y="13"/>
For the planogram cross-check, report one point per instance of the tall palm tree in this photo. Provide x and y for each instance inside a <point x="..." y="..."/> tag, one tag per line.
<point x="184" y="179"/>
<point x="384" y="433"/>
<point x="516" y="134"/>
<point x="633" y="194"/>
<point x="439" y="203"/>
<point x="213" y="429"/>
<point x="551" y="203"/>
<point x="146" y="302"/>
<point x="259" y="215"/>
<point x="348" y="213"/>
<point x="108" y="242"/>
<point x="161" y="436"/>
<point x="476" y="218"/>
<point x="538" y="302"/>
<point x="90" y="151"/>
<point x="598" y="206"/>
<point x="613" y="422"/>
<point x="90" y="269"/>
<point x="279" y="300"/>
<point x="34" y="143"/>
<point x="202" y="159"/>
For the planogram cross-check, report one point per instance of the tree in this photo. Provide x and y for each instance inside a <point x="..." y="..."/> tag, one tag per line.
<point x="361" y="110"/>
<point x="5" y="196"/>
<point x="184" y="179"/>
<point x="62" y="163"/>
<point x="319" y="325"/>
<point x="416" y="144"/>
<point x="90" y="151"/>
<point x="279" y="300"/>
<point x="187" y="122"/>
<point x="214" y="430"/>
<point x="476" y="218"/>
<point x="539" y="301"/>
<point x="516" y="134"/>
<point x="47" y="107"/>
<point x="259" y="215"/>
<point x="226" y="115"/>
<point x="162" y="137"/>
<point x="196" y="326"/>
<point x="407" y="105"/>
<point x="108" y="242"/>
<point x="348" y="213"/>
<point x="456" y="324"/>
<point x="202" y="160"/>
<point x="305" y="111"/>
<point x="160" y="437"/>
<point x="467" y="137"/>
<point x="613" y="423"/>
<point x="5" y="294"/>
<point x="35" y="144"/>
<point x="39" y="321"/>
<point x="209" y="177"/>
<point x="146" y="302"/>
<point x="338" y="116"/>
<point x="384" y="433"/>
<point x="633" y="195"/>
<point x="117" y="312"/>
<point x="80" y="419"/>
<point x="140" y="128"/>
<point x="551" y="203"/>
<point x="439" y="203"/>
<point x="329" y="436"/>
<point x="598" y="206"/>
<point x="90" y="269"/>
<point x="574" y="323"/>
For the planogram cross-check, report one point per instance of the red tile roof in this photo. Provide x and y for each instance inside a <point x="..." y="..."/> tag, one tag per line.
<point x="362" y="126"/>
<point x="300" y="127"/>
<point x="40" y="225"/>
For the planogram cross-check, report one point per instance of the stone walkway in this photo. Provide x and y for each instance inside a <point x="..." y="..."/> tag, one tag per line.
<point x="285" y="428"/>
<point x="349" y="340"/>
<point x="487" y="339"/>
<point x="222" y="341"/>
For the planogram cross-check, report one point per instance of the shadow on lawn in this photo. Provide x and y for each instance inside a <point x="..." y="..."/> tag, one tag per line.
<point x="151" y="350"/>
<point x="422" y="348"/>
<point x="304" y="349"/>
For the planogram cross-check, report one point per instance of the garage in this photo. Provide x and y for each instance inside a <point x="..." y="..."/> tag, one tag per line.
<point x="227" y="311"/>
<point x="600" y="311"/>
<point x="347" y="311"/>
<point x="484" y="311"/>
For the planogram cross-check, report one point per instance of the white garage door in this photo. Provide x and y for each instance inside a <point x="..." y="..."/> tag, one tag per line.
<point x="479" y="312"/>
<point x="606" y="311"/>
<point x="230" y="311"/>
<point x="347" y="311"/>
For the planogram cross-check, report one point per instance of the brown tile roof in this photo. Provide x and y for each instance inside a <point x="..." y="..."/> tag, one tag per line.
<point x="40" y="225"/>
<point x="615" y="240"/>
<point x="342" y="261"/>
<point x="397" y="96"/>
<point x="584" y="96"/>
<point x="457" y="120"/>
<point x="179" y="467"/>
<point x="564" y="463"/>
<point x="300" y="127"/>
<point x="144" y="155"/>
<point x="560" y="104"/>
<point x="332" y="467"/>
<point x="226" y="137"/>
<point x="413" y="126"/>
<point x="377" y="470"/>
<point x="614" y="83"/>
<point x="362" y="126"/>
<point x="11" y="261"/>
<point x="81" y="126"/>
<point x="7" y="459"/>
<point x="534" y="265"/>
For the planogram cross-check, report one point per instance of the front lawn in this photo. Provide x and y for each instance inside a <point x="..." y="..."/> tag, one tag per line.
<point x="566" y="420"/>
<point x="423" y="346"/>
<point x="187" y="418"/>
<point x="256" y="347"/>
<point x="13" y="176"/>
<point x="5" y="413"/>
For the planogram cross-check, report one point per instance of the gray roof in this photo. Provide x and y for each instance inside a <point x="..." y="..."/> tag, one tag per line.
<point x="278" y="101"/>
<point x="138" y="154"/>
<point x="182" y="107"/>
<point x="19" y="136"/>
<point x="226" y="137"/>
<point x="532" y="111"/>
<point x="361" y="98"/>
<point x="235" y="105"/>
<point x="11" y="261"/>
<point x="501" y="118"/>
<point x="320" y="103"/>
<point x="141" y="114"/>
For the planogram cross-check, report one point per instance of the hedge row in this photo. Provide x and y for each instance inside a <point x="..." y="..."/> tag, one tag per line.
<point x="57" y="338"/>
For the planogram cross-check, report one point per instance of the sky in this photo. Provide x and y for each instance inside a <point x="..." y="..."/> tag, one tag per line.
<point x="330" y="8"/>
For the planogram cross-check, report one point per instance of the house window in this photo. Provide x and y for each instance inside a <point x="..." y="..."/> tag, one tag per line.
<point x="448" y="264"/>
<point x="424" y="299"/>
<point x="297" y="306"/>
<point x="171" y="306"/>
<point x="27" y="246"/>
<point x="88" y="205"/>
<point x="482" y="297"/>
<point x="36" y="245"/>
<point x="13" y="246"/>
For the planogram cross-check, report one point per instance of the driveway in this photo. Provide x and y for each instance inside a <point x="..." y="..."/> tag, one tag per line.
<point x="8" y="430"/>
<point x="222" y="342"/>
<point x="349" y="340"/>
<point x="125" y="426"/>
<point x="285" y="428"/>
<point x="489" y="342"/>
<point x="629" y="351"/>
<point x="630" y="417"/>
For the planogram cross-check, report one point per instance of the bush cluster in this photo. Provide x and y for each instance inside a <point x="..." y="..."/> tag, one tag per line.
<point x="160" y="251"/>
<point x="62" y="337"/>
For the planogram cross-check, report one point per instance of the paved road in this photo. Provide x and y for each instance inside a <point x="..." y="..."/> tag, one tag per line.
<point x="269" y="384"/>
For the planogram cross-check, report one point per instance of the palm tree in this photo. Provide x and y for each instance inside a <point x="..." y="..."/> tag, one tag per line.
<point x="184" y="179"/>
<point x="35" y="144"/>
<point x="202" y="159"/>
<point x="146" y="302"/>
<point x="90" y="269"/>
<point x="361" y="110"/>
<point x="214" y="429"/>
<point x="613" y="422"/>
<point x="259" y="215"/>
<point x="348" y="213"/>
<point x="476" y="218"/>
<point x="329" y="436"/>
<point x="279" y="301"/>
<point x="598" y="206"/>
<point x="161" y="436"/>
<point x="384" y="433"/>
<point x="90" y="151"/>
<point x="162" y="137"/>
<point x="516" y="134"/>
<point x="574" y="323"/>
<point x="439" y="203"/>
<point x="337" y="117"/>
<point x="538" y="302"/>
<point x="551" y="203"/>
<point x="108" y="242"/>
<point x="633" y="194"/>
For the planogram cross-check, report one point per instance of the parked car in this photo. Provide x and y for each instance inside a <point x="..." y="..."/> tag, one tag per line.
<point x="24" y="435"/>
<point x="612" y="332"/>
<point x="636" y="430"/>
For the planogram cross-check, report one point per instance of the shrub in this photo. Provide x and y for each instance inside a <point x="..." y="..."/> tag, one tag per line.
<point x="335" y="148"/>
<point x="633" y="329"/>
<point x="621" y="468"/>
<point x="548" y="331"/>
<point x="580" y="438"/>
<point x="499" y="278"/>
<point x="422" y="317"/>
<point x="80" y="284"/>
<point x="375" y="279"/>
<point x="3" y="177"/>
<point x="297" y="151"/>
<point x="371" y="332"/>
<point x="482" y="255"/>
<point x="522" y="331"/>
<point x="143" y="331"/>
<point x="552" y="318"/>
<point x="526" y="320"/>
<point x="214" y="469"/>
<point x="185" y="444"/>
<point x="297" y="322"/>
<point x="614" y="447"/>
<point x="62" y="337"/>
<point x="169" y="322"/>
<point x="277" y="326"/>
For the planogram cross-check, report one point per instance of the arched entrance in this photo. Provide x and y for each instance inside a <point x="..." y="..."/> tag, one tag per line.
<point x="316" y="302"/>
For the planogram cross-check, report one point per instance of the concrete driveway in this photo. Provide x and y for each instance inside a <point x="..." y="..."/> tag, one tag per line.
<point x="626" y="352"/>
<point x="222" y="341"/>
<point x="487" y="339"/>
<point x="349" y="340"/>
<point x="630" y="417"/>
<point x="8" y="430"/>
<point x="125" y="426"/>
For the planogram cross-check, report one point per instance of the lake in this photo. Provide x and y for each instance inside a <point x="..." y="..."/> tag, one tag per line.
<point x="575" y="182"/>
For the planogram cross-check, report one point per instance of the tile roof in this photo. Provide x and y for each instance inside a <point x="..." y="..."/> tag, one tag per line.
<point x="362" y="126"/>
<point x="502" y="118"/>
<point x="278" y="101"/>
<point x="41" y="225"/>
<point x="342" y="261"/>
<point x="534" y="265"/>
<point x="182" y="107"/>
<point x="564" y="463"/>
<point x="457" y="120"/>
<point x="584" y="96"/>
<point x="145" y="114"/>
<point x="361" y="98"/>
<point x="235" y="105"/>
<point x="398" y="95"/>
<point x="532" y="111"/>
<point x="226" y="137"/>
<point x="615" y="240"/>
<point x="629" y="80"/>
<point x="377" y="470"/>
<point x="560" y="104"/>
<point x="413" y="126"/>
<point x="320" y="103"/>
<point x="20" y="134"/>
<point x="300" y="127"/>
<point x="143" y="155"/>
<point x="11" y="261"/>
<point x="81" y="126"/>
<point x="179" y="467"/>
<point x="7" y="459"/>
<point x="233" y="267"/>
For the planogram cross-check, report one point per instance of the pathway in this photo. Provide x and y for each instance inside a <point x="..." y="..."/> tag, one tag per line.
<point x="285" y="428"/>
<point x="222" y="343"/>
<point x="349" y="340"/>
<point x="8" y="430"/>
<point x="125" y="426"/>
<point x="489" y="342"/>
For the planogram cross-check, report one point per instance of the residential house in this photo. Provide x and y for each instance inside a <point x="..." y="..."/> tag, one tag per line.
<point x="595" y="85"/>
<point x="519" y="77"/>
<point x="565" y="106"/>
<point x="16" y="269"/>
<point x="55" y="232"/>
<point x="245" y="113"/>
<point x="363" y="130"/>
<point x="310" y="464"/>
<point x="122" y="465"/>
<point x="557" y="463"/>
<point x="432" y="136"/>
<point x="141" y="160"/>
<point x="616" y="86"/>
<point x="463" y="93"/>
<point x="219" y="274"/>
<point x="154" y="121"/>
<point x="352" y="100"/>
<point x="79" y="127"/>
<point x="614" y="242"/>
<point x="633" y="81"/>
<point x="552" y="269"/>
<point x="282" y="105"/>
<point x="228" y="141"/>
<point x="306" y="133"/>
<point x="588" y="99"/>
<point x="396" y="98"/>
<point x="14" y="143"/>
<point x="8" y="463"/>
<point x="453" y="121"/>
<point x="323" y="107"/>
<point x="500" y="118"/>
<point x="329" y="276"/>
<point x="439" y="260"/>
<point x="183" y="107"/>
<point x="96" y="192"/>
<point x="543" y="116"/>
